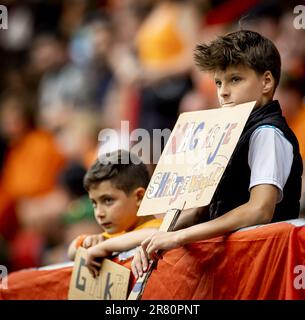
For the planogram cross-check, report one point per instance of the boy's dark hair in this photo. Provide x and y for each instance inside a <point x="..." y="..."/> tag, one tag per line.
<point x="244" y="47"/>
<point x="124" y="169"/>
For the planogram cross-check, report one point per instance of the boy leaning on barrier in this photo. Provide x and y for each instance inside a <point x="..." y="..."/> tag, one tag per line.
<point x="262" y="182"/>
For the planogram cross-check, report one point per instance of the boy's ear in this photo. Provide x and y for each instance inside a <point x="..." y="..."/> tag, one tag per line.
<point x="268" y="82"/>
<point x="139" y="194"/>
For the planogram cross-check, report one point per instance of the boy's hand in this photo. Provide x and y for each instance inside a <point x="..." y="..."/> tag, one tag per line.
<point x="158" y="241"/>
<point x="94" y="253"/>
<point x="92" y="240"/>
<point x="161" y="241"/>
<point x="139" y="263"/>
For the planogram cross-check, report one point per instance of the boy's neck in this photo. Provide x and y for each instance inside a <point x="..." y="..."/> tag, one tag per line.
<point x="264" y="103"/>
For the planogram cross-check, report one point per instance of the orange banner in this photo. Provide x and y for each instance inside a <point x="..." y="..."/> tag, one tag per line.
<point x="266" y="262"/>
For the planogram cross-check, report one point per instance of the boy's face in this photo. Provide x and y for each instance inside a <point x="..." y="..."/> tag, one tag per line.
<point x="239" y="84"/>
<point x="114" y="210"/>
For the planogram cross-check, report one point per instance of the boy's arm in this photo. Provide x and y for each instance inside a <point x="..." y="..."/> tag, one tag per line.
<point x="85" y="241"/>
<point x="191" y="217"/>
<point x="120" y="243"/>
<point x="258" y="210"/>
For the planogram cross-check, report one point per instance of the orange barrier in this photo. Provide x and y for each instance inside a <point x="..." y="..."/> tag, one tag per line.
<point x="252" y="264"/>
<point x="261" y="263"/>
<point x="37" y="285"/>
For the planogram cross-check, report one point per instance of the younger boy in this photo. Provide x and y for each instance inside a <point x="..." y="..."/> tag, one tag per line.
<point x="262" y="182"/>
<point x="116" y="186"/>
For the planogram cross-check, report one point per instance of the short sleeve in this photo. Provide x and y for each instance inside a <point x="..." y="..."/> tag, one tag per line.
<point x="270" y="158"/>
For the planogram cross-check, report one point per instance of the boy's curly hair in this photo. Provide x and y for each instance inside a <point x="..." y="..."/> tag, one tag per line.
<point x="243" y="47"/>
<point x="124" y="169"/>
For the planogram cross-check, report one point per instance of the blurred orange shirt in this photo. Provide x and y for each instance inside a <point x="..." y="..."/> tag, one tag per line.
<point x="160" y="39"/>
<point x="31" y="167"/>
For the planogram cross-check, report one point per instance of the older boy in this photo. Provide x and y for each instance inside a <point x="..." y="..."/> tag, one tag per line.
<point x="116" y="186"/>
<point x="262" y="182"/>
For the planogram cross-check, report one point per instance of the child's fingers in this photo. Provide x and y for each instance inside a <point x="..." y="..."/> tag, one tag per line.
<point x="134" y="269"/>
<point x="144" y="259"/>
<point x="97" y="272"/>
<point x="93" y="271"/>
<point x="95" y="263"/>
<point x="145" y="243"/>
<point x="94" y="267"/>
<point x="87" y="242"/>
<point x="95" y="241"/>
<point x="137" y="263"/>
<point x="151" y="249"/>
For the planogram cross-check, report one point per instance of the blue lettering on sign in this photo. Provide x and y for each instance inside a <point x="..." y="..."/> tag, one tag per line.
<point x="162" y="185"/>
<point x="211" y="156"/>
<point x="194" y="142"/>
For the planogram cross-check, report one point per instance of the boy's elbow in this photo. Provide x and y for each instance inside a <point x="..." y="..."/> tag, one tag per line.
<point x="263" y="214"/>
<point x="266" y="217"/>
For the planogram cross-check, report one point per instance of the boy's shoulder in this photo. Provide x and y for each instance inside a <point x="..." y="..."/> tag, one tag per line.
<point x="153" y="223"/>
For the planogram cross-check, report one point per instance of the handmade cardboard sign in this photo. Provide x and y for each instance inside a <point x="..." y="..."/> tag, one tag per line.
<point x="111" y="284"/>
<point x="194" y="159"/>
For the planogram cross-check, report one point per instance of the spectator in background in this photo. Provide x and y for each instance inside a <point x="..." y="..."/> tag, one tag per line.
<point x="63" y="85"/>
<point x="160" y="69"/>
<point x="164" y="44"/>
<point x="291" y="94"/>
<point x="78" y="139"/>
<point x="75" y="218"/>
<point x="78" y="142"/>
<point x="31" y="163"/>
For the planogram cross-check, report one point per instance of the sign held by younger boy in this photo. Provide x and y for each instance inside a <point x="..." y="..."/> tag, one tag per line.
<point x="111" y="283"/>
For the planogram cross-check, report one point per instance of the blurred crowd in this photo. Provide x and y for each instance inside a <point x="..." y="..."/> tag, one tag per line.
<point x="70" y="68"/>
